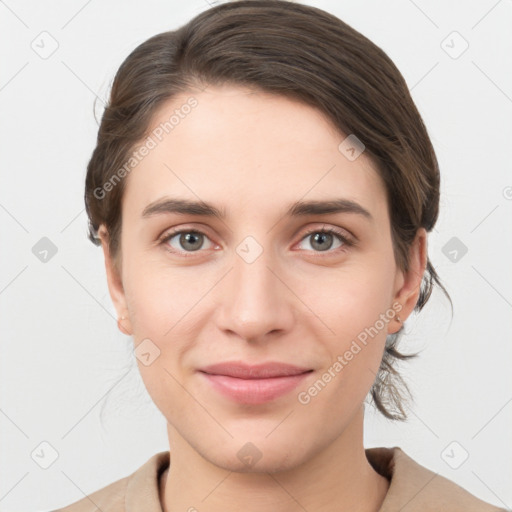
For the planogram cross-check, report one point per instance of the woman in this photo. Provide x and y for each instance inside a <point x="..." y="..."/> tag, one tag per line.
<point x="230" y="152"/>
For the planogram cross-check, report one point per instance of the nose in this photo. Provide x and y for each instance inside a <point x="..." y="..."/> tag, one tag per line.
<point x="255" y="300"/>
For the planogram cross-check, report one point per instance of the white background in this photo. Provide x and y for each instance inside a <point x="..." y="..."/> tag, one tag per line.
<point x="62" y="357"/>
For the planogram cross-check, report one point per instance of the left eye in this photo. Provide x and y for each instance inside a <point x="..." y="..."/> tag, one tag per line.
<point x="323" y="239"/>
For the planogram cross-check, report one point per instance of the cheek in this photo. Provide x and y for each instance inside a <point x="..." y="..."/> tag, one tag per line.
<point x="357" y="314"/>
<point x="165" y="307"/>
<point x="160" y="304"/>
<point x="352" y="298"/>
<point x="158" y="296"/>
<point x="359" y="309"/>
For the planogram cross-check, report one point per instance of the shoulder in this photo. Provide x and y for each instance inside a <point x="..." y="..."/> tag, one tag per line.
<point x="139" y="490"/>
<point x="414" y="487"/>
<point x="110" y="498"/>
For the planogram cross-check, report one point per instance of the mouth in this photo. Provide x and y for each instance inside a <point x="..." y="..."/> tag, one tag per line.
<point x="254" y="384"/>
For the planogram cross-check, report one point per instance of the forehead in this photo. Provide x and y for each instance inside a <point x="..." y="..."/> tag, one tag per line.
<point x="256" y="149"/>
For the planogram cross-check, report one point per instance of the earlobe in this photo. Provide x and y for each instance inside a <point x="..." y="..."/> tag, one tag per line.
<point x="410" y="281"/>
<point x="121" y="327"/>
<point x="115" y="284"/>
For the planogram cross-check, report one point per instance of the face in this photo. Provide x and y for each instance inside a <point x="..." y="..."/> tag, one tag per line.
<point x="257" y="283"/>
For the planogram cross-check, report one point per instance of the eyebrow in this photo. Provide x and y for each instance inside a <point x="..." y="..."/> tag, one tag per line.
<point x="297" y="209"/>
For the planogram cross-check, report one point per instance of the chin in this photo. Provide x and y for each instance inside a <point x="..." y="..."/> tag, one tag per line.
<point x="274" y="464"/>
<point x="258" y="456"/>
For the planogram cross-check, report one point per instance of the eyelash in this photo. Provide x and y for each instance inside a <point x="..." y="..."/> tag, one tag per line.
<point x="330" y="231"/>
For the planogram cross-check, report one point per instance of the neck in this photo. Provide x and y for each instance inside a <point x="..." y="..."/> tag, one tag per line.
<point x="338" y="478"/>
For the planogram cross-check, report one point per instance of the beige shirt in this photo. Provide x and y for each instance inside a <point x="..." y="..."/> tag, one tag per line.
<point x="413" y="488"/>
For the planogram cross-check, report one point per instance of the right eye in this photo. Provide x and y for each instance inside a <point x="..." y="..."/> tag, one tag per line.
<point x="188" y="241"/>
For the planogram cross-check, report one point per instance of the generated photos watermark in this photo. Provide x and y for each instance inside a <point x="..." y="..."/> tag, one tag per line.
<point x="305" y="397"/>
<point x="145" y="148"/>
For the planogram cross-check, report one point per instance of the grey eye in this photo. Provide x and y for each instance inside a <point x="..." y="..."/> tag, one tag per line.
<point x="188" y="241"/>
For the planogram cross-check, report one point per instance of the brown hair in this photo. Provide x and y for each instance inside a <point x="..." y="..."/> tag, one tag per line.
<point x="303" y="53"/>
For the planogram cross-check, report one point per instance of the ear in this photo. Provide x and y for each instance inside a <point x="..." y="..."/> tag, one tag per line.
<point x="115" y="284"/>
<point x="408" y="283"/>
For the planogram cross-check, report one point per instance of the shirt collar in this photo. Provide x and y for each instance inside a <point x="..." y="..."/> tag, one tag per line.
<point x="411" y="485"/>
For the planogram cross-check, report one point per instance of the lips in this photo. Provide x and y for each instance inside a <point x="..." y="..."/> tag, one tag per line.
<point x="254" y="384"/>
<point x="242" y="370"/>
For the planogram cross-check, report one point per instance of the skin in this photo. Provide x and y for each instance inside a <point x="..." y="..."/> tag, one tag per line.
<point x="254" y="154"/>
